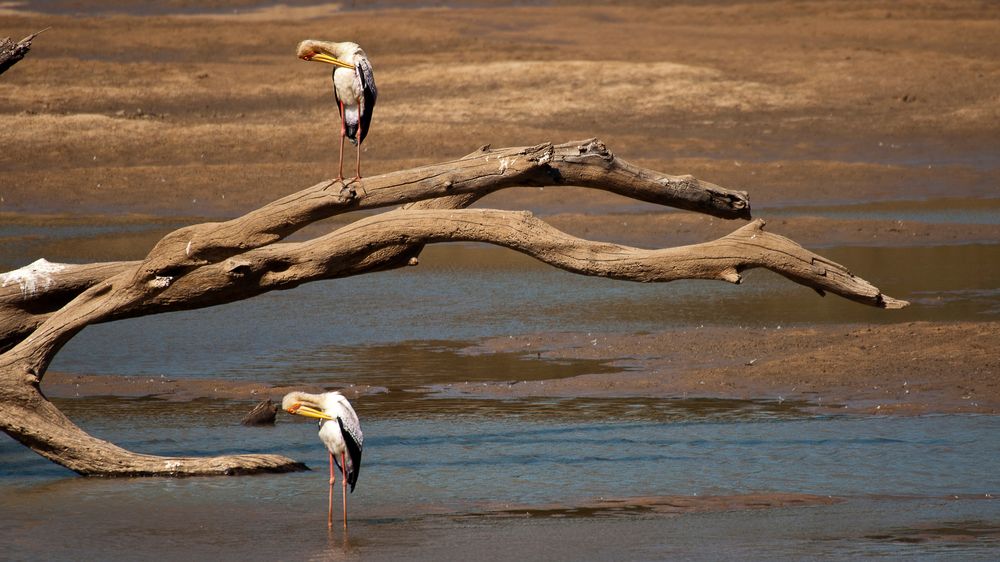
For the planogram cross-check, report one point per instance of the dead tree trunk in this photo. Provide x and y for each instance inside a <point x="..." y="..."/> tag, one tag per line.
<point x="43" y="305"/>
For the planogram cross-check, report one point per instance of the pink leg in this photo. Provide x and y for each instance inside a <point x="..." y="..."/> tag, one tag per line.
<point x="358" y="175"/>
<point x="343" y="133"/>
<point x="343" y="485"/>
<point x="329" y="512"/>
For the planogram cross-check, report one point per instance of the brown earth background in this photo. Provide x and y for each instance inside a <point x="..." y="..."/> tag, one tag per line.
<point x="171" y="114"/>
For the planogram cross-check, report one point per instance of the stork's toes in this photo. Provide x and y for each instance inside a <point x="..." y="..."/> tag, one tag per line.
<point x="348" y="192"/>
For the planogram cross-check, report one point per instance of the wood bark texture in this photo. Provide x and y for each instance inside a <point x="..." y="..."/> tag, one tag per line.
<point x="11" y="52"/>
<point x="43" y="305"/>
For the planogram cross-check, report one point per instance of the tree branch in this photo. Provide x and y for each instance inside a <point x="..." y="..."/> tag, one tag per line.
<point x="38" y="424"/>
<point x="358" y="248"/>
<point x="11" y="52"/>
<point x="583" y="163"/>
<point x="454" y="184"/>
<point x="28" y="296"/>
<point x="214" y="263"/>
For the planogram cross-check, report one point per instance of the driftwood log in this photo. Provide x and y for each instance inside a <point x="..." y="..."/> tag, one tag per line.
<point x="43" y="305"/>
<point x="263" y="413"/>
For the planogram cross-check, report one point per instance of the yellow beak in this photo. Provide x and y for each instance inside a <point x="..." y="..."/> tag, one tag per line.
<point x="309" y="412"/>
<point x="323" y="57"/>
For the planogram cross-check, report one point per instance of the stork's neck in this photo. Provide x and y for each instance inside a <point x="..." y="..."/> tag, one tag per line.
<point x="345" y="51"/>
<point x="313" y="400"/>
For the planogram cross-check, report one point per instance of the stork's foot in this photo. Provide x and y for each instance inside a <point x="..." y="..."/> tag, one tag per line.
<point x="348" y="192"/>
<point x="337" y="180"/>
<point x="357" y="179"/>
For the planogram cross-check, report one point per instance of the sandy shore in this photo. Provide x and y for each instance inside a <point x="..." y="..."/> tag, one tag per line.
<point x="911" y="368"/>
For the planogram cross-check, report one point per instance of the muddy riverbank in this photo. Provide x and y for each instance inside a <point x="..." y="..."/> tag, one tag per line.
<point x="912" y="368"/>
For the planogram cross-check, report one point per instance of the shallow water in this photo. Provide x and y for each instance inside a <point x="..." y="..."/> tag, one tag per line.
<point x="935" y="211"/>
<point x="444" y="485"/>
<point x="464" y="292"/>
<point x="450" y="477"/>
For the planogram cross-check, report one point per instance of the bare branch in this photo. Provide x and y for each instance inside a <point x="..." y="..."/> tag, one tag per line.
<point x="584" y="163"/>
<point x="358" y="248"/>
<point x="30" y="294"/>
<point x="452" y="184"/>
<point x="214" y="263"/>
<point x="11" y="52"/>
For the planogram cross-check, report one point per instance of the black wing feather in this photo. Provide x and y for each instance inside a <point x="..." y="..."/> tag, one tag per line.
<point x="367" y="76"/>
<point x="354" y="451"/>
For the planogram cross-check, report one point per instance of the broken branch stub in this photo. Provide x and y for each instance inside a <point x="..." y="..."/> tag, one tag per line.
<point x="11" y="53"/>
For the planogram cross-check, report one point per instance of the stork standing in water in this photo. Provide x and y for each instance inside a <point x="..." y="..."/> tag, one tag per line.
<point x="340" y="431"/>
<point x="353" y="88"/>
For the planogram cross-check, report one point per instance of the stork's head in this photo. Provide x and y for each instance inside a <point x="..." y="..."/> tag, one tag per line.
<point x="326" y="51"/>
<point x="304" y="404"/>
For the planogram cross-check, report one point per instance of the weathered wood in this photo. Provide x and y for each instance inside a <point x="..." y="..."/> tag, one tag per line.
<point x="11" y="53"/>
<point x="448" y="185"/>
<point x="263" y="413"/>
<point x="358" y="248"/>
<point x="213" y="263"/>
<point x="30" y="294"/>
<point x="37" y="423"/>
<point x="581" y="163"/>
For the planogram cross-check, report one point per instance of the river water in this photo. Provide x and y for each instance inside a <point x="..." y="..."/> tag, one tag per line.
<point x="462" y="485"/>
<point x="462" y="292"/>
<point x="501" y="479"/>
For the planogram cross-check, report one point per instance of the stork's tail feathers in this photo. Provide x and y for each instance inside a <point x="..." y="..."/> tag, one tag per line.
<point x="353" y="444"/>
<point x="351" y="130"/>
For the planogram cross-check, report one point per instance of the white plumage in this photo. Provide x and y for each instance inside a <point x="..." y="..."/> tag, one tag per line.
<point x="353" y="88"/>
<point x="330" y="432"/>
<point x="340" y="431"/>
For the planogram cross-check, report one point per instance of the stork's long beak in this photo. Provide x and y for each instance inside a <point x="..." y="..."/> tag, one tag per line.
<point x="308" y="412"/>
<point x="323" y="57"/>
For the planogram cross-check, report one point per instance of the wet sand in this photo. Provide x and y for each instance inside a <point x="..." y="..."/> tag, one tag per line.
<point x="912" y="368"/>
<point x="662" y="505"/>
<point x="66" y="385"/>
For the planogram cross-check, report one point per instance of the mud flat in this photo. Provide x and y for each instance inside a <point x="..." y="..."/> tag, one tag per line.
<point x="208" y="113"/>
<point x="911" y="368"/>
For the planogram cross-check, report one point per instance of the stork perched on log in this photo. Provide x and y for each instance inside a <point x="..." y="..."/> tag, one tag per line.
<point x="353" y="88"/>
